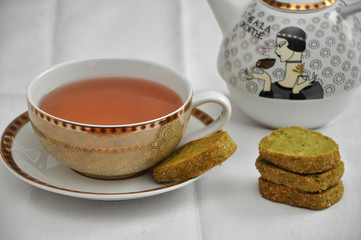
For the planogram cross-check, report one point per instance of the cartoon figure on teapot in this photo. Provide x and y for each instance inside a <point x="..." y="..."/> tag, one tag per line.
<point x="291" y="42"/>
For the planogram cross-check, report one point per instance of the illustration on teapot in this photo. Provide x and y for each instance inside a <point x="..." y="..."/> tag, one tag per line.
<point x="292" y="58"/>
<point x="290" y="44"/>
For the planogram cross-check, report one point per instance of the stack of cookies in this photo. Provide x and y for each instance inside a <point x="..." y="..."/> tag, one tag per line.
<point x="300" y="167"/>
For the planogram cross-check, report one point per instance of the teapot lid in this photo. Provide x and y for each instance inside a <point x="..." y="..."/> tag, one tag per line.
<point x="297" y="5"/>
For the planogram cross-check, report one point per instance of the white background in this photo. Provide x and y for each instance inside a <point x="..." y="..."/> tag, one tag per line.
<point x="182" y="34"/>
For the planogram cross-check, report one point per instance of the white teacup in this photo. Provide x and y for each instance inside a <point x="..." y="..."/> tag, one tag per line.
<point x="117" y="151"/>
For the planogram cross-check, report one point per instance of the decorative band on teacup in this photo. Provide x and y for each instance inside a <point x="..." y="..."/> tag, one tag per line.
<point x="110" y="130"/>
<point x="299" y="6"/>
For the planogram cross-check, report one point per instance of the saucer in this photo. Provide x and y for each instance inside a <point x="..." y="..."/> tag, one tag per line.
<point x="27" y="159"/>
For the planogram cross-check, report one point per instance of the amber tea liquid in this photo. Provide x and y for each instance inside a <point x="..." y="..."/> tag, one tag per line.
<point x="111" y="101"/>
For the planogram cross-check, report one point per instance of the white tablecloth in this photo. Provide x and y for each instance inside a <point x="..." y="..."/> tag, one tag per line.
<point x="182" y="34"/>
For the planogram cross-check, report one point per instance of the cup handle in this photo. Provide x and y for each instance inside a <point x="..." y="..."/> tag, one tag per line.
<point x="200" y="98"/>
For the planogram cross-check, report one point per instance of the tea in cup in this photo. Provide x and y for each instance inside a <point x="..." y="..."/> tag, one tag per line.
<point x="111" y="101"/>
<point x="115" y="118"/>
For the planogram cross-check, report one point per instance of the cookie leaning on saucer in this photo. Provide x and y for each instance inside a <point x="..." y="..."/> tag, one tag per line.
<point x="195" y="158"/>
<point x="299" y="150"/>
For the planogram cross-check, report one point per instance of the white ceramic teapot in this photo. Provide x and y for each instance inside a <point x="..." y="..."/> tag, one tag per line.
<point x="290" y="62"/>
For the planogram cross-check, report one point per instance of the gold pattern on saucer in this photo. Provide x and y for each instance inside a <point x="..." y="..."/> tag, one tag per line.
<point x="13" y="128"/>
<point x="299" y="6"/>
<point x="7" y="141"/>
